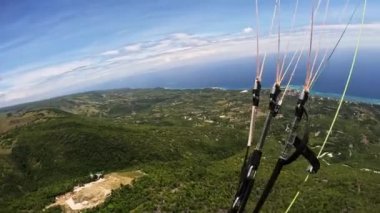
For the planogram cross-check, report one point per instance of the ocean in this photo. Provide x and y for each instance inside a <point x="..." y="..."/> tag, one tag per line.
<point x="239" y="74"/>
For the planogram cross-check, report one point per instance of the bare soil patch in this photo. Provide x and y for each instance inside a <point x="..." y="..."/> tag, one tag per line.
<point x="94" y="193"/>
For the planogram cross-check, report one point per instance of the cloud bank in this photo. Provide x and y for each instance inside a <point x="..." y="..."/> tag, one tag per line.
<point x="178" y="49"/>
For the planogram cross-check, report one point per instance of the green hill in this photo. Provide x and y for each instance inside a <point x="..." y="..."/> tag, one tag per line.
<point x="190" y="143"/>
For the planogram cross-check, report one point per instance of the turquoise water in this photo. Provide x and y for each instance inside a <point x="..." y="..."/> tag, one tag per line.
<point x="239" y="74"/>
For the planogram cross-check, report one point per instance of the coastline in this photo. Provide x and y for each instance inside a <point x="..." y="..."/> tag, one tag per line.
<point x="355" y="99"/>
<point x="335" y="96"/>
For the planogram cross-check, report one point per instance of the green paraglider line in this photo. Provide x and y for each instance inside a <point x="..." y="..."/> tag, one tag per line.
<point x="340" y="102"/>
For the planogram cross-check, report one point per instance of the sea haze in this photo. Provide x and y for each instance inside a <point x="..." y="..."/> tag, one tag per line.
<point x="239" y="74"/>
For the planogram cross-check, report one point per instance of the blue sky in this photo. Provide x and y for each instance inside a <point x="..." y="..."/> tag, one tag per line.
<point x="50" y="48"/>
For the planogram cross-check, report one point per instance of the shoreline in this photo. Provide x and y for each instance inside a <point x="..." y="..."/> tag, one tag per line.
<point x="334" y="96"/>
<point x="371" y="101"/>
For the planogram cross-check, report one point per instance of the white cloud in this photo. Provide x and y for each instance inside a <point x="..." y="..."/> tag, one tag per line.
<point x="181" y="36"/>
<point x="248" y="30"/>
<point x="110" y="53"/>
<point x="174" y="50"/>
<point x="29" y="85"/>
<point x="133" y="48"/>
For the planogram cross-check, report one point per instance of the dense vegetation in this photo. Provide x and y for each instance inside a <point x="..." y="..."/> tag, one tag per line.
<point x="190" y="143"/>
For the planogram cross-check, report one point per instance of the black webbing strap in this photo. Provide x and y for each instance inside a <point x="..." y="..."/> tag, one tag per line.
<point x="242" y="169"/>
<point x="273" y="100"/>
<point x="306" y="152"/>
<point x="255" y="102"/>
<point x="272" y="180"/>
<point x="250" y="166"/>
<point x="299" y="145"/>
<point x="310" y="156"/>
<point x="256" y="93"/>
<point x="301" y="149"/>
<point x="246" y="185"/>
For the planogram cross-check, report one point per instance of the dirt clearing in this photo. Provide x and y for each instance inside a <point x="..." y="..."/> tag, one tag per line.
<point x="94" y="193"/>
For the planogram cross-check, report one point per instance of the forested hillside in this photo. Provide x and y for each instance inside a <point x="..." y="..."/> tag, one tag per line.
<point x="189" y="143"/>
